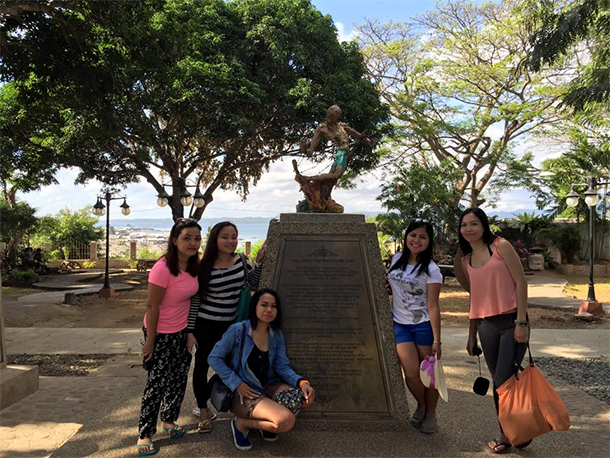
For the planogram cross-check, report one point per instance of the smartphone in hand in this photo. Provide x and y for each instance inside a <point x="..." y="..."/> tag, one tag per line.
<point x="147" y="364"/>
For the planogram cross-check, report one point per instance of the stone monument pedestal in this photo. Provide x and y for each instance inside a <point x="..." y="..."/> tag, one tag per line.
<point x="17" y="382"/>
<point x="336" y="316"/>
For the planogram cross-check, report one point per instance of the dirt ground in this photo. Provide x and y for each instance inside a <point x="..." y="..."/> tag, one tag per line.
<point x="126" y="310"/>
<point x="454" y="312"/>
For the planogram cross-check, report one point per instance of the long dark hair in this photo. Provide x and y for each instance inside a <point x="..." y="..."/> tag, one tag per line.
<point x="254" y="302"/>
<point x="423" y="258"/>
<point x="488" y="237"/>
<point x="209" y="255"/>
<point x="171" y="255"/>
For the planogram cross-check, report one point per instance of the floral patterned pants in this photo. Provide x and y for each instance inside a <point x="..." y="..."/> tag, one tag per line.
<point x="166" y="383"/>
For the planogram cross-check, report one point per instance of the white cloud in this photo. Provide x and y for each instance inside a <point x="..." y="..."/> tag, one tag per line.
<point x="276" y="193"/>
<point x="345" y="35"/>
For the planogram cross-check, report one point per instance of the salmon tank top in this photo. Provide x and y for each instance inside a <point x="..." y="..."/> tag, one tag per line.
<point x="492" y="288"/>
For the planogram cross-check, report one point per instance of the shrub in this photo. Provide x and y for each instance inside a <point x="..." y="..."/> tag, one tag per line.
<point x="566" y="237"/>
<point x="22" y="275"/>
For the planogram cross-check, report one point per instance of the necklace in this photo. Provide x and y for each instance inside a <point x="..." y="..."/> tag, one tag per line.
<point x="478" y="249"/>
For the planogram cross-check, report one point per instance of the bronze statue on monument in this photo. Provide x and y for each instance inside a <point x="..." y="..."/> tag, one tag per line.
<point x="318" y="188"/>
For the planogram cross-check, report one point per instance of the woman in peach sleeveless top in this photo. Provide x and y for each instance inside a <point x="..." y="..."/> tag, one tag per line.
<point x="489" y="268"/>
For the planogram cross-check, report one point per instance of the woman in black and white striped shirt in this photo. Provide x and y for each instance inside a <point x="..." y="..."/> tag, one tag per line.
<point x="214" y="307"/>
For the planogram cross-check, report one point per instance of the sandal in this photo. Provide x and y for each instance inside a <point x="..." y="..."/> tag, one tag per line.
<point x="496" y="446"/>
<point x="175" y="432"/>
<point x="146" y="448"/>
<point x="205" y="426"/>
<point x="197" y="413"/>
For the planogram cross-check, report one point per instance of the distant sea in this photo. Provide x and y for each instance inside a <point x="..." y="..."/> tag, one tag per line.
<point x="249" y="229"/>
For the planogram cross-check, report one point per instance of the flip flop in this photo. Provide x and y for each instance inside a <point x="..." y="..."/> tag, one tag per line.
<point x="498" y="447"/>
<point x="175" y="432"/>
<point x="205" y="426"/>
<point x="197" y="413"/>
<point x="150" y="451"/>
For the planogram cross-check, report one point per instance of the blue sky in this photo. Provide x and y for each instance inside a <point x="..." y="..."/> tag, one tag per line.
<point x="277" y="192"/>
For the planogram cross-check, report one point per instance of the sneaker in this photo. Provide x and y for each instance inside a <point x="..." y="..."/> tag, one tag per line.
<point x="428" y="426"/>
<point x="240" y="439"/>
<point x="268" y="436"/>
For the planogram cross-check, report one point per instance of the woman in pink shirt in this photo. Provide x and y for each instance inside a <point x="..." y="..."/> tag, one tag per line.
<point x="489" y="268"/>
<point x="171" y="283"/>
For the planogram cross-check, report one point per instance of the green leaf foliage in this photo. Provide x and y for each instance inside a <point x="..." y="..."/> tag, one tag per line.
<point x="567" y="24"/>
<point x="420" y="191"/>
<point x="68" y="228"/>
<point x="15" y="222"/>
<point x="208" y="90"/>
<point x="587" y="157"/>
<point x="459" y="91"/>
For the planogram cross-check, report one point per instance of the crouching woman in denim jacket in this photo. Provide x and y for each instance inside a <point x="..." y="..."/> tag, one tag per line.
<point x="262" y="401"/>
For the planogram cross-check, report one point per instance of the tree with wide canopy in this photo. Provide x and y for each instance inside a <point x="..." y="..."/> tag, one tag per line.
<point x="206" y="92"/>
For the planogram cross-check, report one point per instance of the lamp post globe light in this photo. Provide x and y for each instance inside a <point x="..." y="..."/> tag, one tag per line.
<point x="591" y="199"/>
<point x="186" y="198"/>
<point x="99" y="209"/>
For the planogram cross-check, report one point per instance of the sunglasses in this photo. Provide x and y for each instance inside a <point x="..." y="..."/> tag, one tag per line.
<point x="186" y="220"/>
<point x="419" y="220"/>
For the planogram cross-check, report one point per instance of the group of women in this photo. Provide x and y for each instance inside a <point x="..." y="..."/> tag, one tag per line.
<point x="489" y="268"/>
<point x="192" y="305"/>
<point x="190" y="309"/>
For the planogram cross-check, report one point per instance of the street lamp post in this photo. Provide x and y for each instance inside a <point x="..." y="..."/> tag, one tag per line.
<point x="186" y="198"/>
<point x="99" y="209"/>
<point x="591" y="199"/>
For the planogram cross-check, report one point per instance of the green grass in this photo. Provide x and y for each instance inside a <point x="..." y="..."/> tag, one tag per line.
<point x="10" y="290"/>
<point x="579" y="287"/>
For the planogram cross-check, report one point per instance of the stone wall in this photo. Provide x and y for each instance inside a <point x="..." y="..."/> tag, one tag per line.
<point x="599" y="270"/>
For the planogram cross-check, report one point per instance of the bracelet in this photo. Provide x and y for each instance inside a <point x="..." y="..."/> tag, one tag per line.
<point x="437" y="342"/>
<point x="522" y="323"/>
<point x="303" y="382"/>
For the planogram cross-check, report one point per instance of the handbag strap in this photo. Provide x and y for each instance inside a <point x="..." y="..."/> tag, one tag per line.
<point x="517" y="365"/>
<point x="245" y="264"/>
<point x="241" y="344"/>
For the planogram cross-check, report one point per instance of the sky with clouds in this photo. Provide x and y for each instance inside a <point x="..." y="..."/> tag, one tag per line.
<point x="276" y="192"/>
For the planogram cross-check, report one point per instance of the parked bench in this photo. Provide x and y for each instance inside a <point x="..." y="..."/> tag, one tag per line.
<point x="447" y="270"/>
<point x="144" y="264"/>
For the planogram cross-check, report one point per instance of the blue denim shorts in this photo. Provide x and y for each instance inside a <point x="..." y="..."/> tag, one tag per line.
<point x="420" y="334"/>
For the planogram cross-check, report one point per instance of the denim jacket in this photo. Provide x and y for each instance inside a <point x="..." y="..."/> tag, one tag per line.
<point x="279" y="365"/>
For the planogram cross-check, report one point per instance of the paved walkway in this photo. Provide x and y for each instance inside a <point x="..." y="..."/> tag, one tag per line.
<point x="546" y="291"/>
<point x="56" y="287"/>
<point x="76" y="280"/>
<point x="97" y="415"/>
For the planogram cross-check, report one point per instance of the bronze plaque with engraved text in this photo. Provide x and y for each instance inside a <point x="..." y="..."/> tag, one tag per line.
<point x="328" y="322"/>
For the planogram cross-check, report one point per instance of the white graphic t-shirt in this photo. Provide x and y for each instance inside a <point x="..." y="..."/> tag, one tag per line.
<point x="410" y="292"/>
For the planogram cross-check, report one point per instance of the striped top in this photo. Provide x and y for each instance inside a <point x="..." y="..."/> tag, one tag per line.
<point x="222" y="294"/>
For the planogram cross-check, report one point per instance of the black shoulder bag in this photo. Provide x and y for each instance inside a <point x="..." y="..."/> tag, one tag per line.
<point x="222" y="396"/>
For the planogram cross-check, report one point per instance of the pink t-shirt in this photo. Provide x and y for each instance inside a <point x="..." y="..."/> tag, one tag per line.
<point x="174" y="307"/>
